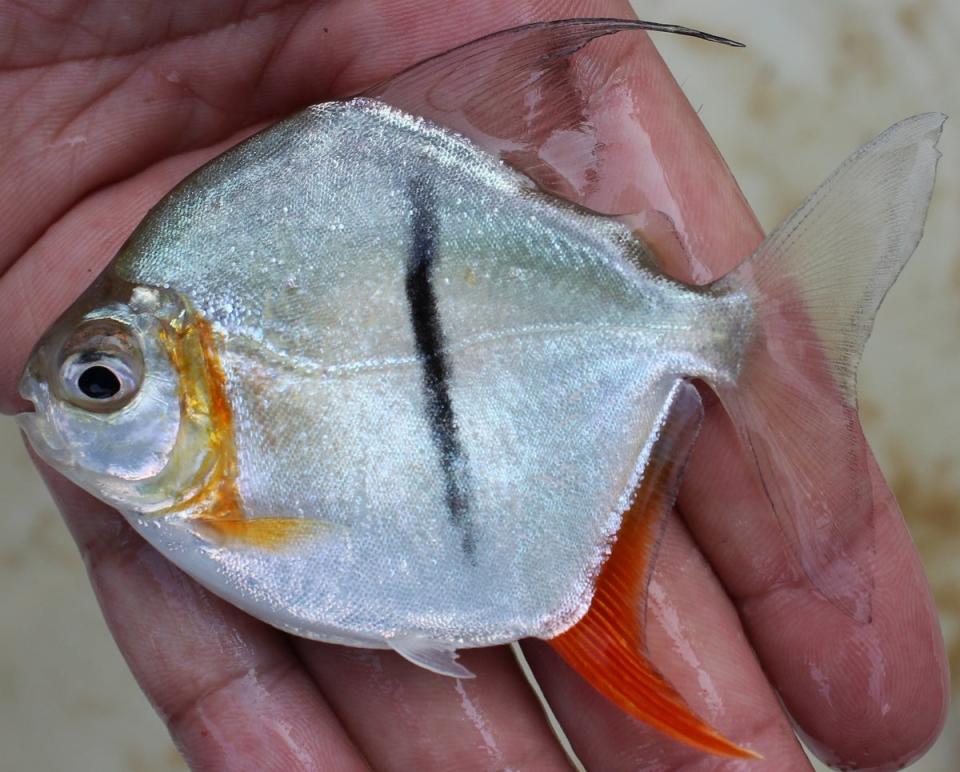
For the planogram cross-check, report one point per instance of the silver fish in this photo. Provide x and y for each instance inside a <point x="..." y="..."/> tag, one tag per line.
<point x="374" y="386"/>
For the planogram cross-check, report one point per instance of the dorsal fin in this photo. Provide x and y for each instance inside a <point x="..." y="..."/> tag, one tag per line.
<point x="531" y="96"/>
<point x="607" y="646"/>
<point x="662" y="243"/>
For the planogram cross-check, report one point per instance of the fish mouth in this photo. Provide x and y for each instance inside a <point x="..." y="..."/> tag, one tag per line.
<point x="34" y="420"/>
<point x="26" y="396"/>
<point x="26" y="388"/>
<point x="31" y="415"/>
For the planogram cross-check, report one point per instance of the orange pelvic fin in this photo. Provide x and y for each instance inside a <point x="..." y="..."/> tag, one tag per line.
<point x="606" y="647"/>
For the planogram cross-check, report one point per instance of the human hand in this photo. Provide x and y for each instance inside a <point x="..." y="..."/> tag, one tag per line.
<point x="92" y="142"/>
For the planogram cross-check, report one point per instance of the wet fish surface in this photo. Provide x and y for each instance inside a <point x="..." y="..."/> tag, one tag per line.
<point x="374" y="386"/>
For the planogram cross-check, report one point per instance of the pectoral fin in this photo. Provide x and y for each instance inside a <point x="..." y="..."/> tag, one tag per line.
<point x="436" y="657"/>
<point x="263" y="532"/>
<point x="607" y="646"/>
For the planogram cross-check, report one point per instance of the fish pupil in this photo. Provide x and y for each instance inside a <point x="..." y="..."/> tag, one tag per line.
<point x="99" y="382"/>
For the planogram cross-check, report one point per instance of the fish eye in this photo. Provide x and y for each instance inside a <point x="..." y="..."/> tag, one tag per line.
<point x="99" y="382"/>
<point x="101" y="369"/>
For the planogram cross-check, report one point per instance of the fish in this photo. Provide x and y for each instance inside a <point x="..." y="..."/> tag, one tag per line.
<point x="378" y="377"/>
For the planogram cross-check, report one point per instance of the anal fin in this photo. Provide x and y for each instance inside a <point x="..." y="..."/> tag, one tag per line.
<point x="607" y="646"/>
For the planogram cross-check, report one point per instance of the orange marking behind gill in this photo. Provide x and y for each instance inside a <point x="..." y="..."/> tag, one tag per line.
<point x="606" y="647"/>
<point x="214" y="503"/>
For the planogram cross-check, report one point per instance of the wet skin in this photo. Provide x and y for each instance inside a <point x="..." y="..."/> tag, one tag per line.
<point x="100" y="117"/>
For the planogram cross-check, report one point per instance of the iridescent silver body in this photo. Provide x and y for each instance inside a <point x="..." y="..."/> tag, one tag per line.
<point x="562" y="342"/>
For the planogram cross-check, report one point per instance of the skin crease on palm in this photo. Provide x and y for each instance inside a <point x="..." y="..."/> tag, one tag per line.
<point x="103" y="111"/>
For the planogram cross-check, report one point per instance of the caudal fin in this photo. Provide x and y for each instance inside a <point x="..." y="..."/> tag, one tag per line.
<point x="816" y="285"/>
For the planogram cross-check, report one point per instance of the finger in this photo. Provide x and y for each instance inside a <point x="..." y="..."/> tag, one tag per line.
<point x="694" y="637"/>
<point x="117" y="166"/>
<point x="230" y="689"/>
<point x="863" y="695"/>
<point x="101" y="114"/>
<point x="404" y="717"/>
<point x="798" y="635"/>
<point x="55" y="270"/>
<point x="731" y="518"/>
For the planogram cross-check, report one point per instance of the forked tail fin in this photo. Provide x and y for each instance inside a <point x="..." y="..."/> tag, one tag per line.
<point x="816" y="284"/>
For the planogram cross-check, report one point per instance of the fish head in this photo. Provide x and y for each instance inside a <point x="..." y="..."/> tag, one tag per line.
<point x="108" y="398"/>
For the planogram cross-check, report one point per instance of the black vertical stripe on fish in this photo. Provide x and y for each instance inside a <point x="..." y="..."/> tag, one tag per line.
<point x="428" y="337"/>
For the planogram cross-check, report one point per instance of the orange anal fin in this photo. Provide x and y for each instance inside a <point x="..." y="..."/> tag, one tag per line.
<point x="606" y="647"/>
<point x="265" y="532"/>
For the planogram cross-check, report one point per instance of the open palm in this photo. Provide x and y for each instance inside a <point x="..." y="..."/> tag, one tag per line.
<point x="105" y="106"/>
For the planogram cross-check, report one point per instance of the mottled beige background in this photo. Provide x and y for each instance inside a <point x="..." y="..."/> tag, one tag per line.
<point x="817" y="80"/>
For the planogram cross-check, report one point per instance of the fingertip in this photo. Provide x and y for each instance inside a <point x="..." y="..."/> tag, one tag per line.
<point x="862" y="695"/>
